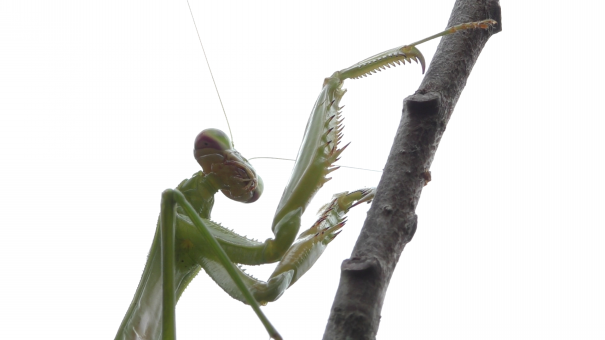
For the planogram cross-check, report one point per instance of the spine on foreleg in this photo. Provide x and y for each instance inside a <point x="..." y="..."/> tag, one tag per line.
<point x="318" y="150"/>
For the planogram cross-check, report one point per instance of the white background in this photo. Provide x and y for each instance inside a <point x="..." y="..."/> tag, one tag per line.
<point x="100" y="102"/>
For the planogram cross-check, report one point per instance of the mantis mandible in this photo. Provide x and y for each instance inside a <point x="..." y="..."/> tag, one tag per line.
<point x="186" y="240"/>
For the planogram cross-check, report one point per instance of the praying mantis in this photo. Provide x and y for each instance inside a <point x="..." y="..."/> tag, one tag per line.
<point x="185" y="237"/>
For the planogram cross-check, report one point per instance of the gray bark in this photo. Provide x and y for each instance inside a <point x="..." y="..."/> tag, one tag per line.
<point x="391" y="220"/>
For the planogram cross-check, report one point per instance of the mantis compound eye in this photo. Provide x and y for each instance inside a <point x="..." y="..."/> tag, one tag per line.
<point x="212" y="139"/>
<point x="215" y="154"/>
<point x="210" y="147"/>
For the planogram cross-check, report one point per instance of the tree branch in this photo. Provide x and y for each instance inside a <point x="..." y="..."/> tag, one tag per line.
<point x="391" y="221"/>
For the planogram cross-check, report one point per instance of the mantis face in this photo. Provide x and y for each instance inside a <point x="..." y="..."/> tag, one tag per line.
<point x="238" y="179"/>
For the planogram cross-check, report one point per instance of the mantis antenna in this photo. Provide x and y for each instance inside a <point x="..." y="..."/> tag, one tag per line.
<point x="223" y="107"/>
<point x="211" y="75"/>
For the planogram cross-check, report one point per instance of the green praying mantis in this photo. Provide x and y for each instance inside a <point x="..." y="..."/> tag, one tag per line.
<point x="186" y="240"/>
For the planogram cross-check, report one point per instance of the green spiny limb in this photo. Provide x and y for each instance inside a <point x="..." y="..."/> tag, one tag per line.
<point x="312" y="242"/>
<point x="318" y="151"/>
<point x="241" y="249"/>
<point x="319" y="148"/>
<point x="298" y="258"/>
<point x="395" y="56"/>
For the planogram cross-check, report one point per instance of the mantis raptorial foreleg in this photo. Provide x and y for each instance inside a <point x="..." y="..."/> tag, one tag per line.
<point x="186" y="240"/>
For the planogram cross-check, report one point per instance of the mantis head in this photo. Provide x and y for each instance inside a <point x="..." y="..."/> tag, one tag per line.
<point x="214" y="151"/>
